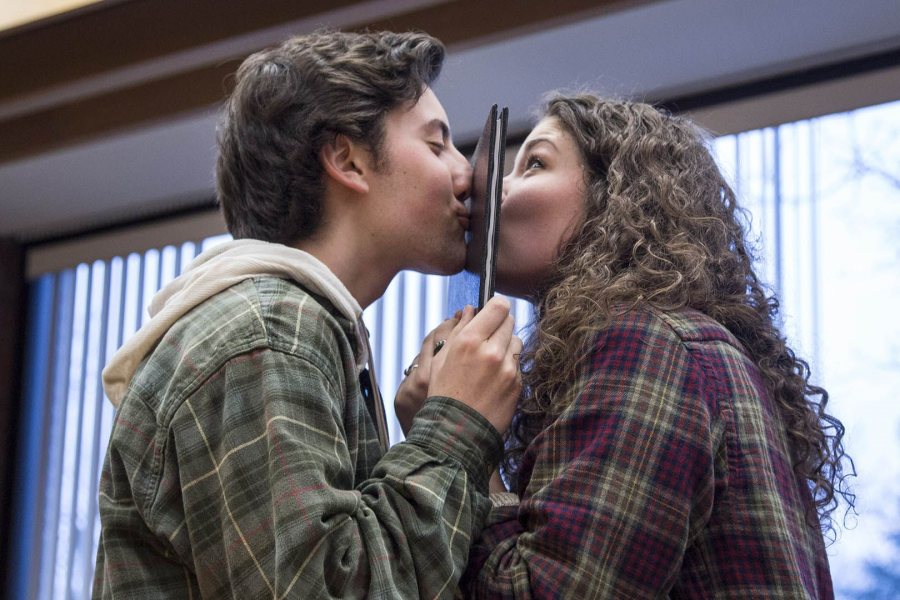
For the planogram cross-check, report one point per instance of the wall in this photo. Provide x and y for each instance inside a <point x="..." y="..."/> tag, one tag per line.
<point x="12" y="309"/>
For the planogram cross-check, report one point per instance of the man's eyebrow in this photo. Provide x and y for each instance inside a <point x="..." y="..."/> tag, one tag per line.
<point x="441" y="125"/>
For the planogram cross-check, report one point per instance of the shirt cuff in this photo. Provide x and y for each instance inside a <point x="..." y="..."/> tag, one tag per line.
<point x="499" y="499"/>
<point x="460" y="432"/>
<point x="502" y="513"/>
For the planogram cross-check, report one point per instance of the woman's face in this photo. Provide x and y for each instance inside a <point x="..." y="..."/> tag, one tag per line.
<point x="542" y="204"/>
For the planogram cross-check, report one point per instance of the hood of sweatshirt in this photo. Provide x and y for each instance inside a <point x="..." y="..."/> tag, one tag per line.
<point x="215" y="270"/>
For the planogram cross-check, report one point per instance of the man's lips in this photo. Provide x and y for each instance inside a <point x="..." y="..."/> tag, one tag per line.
<point x="463" y="220"/>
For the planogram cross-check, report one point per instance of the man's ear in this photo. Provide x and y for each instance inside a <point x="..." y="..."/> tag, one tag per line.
<point x="344" y="161"/>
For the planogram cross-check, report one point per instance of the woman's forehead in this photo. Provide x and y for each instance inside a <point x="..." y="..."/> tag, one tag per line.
<point x="548" y="126"/>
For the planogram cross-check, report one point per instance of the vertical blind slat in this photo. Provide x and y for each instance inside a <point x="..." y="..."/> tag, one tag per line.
<point x="56" y="430"/>
<point x="94" y="441"/>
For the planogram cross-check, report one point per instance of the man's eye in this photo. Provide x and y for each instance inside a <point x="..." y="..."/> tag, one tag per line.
<point x="438" y="147"/>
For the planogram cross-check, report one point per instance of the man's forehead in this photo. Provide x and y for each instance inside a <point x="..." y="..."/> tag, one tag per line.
<point x="426" y="114"/>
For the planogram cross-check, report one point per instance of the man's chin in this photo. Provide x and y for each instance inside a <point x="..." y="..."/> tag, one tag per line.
<point x="448" y="266"/>
<point x="454" y="268"/>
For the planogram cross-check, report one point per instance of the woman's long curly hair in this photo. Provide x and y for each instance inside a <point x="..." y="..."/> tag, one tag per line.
<point x="662" y="227"/>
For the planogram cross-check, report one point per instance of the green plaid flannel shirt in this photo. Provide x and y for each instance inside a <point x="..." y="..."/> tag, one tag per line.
<point x="244" y="463"/>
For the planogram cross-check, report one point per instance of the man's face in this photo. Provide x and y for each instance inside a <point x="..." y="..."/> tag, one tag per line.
<point x="418" y="215"/>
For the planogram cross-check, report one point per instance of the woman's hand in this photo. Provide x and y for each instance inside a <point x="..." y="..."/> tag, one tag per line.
<point x="414" y="388"/>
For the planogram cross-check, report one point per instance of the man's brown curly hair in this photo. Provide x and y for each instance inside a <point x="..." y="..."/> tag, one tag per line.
<point x="662" y="227"/>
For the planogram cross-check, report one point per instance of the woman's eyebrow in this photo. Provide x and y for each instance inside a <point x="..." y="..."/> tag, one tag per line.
<point x="535" y="141"/>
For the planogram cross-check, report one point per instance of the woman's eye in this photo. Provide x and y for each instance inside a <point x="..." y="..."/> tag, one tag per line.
<point x="438" y="147"/>
<point x="533" y="162"/>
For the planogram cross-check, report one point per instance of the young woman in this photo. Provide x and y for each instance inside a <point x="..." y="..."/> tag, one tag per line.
<point x="669" y="442"/>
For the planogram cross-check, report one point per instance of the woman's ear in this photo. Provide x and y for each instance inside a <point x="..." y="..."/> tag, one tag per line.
<point x="344" y="162"/>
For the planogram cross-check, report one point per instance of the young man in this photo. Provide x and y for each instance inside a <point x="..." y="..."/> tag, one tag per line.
<point x="249" y="455"/>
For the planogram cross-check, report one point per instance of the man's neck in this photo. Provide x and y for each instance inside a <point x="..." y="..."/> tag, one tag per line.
<point x="364" y="275"/>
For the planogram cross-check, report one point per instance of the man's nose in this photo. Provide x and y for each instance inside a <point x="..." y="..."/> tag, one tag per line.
<point x="462" y="177"/>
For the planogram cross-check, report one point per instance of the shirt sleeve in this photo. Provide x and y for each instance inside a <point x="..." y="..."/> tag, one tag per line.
<point x="622" y="480"/>
<point x="259" y="495"/>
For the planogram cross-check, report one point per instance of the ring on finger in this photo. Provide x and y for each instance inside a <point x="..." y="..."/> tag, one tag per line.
<point x="409" y="369"/>
<point x="439" y="344"/>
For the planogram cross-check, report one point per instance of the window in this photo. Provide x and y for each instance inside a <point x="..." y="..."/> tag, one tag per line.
<point x="825" y="199"/>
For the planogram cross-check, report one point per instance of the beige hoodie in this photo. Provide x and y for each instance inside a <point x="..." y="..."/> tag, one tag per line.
<point x="219" y="268"/>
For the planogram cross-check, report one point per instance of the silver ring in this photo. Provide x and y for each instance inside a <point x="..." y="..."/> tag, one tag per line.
<point x="409" y="369"/>
<point x="439" y="344"/>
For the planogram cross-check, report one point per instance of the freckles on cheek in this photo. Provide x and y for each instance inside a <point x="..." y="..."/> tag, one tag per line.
<point x="524" y="224"/>
<point x="513" y="222"/>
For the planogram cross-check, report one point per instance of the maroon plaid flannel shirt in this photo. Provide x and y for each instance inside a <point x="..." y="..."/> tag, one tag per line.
<point x="667" y="476"/>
